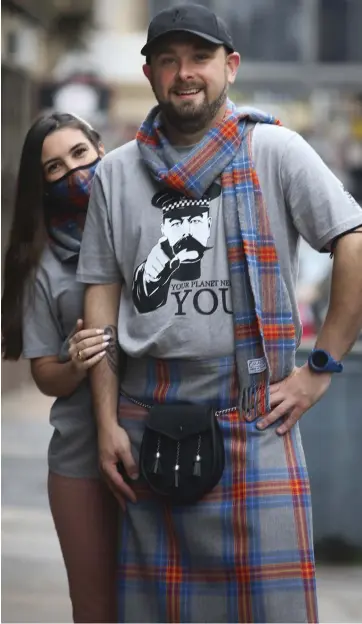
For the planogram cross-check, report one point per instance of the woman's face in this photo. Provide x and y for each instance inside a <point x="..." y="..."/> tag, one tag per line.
<point x="64" y="150"/>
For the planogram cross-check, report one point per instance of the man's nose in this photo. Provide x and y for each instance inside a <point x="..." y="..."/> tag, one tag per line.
<point x="186" y="70"/>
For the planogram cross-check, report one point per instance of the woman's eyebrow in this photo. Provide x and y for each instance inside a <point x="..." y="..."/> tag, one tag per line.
<point x="51" y="160"/>
<point x="77" y="145"/>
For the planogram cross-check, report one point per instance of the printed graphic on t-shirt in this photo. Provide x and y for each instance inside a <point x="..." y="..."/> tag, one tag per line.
<point x="178" y="254"/>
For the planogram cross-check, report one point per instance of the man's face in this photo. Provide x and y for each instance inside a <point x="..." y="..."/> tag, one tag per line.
<point x="194" y="226"/>
<point x="190" y="79"/>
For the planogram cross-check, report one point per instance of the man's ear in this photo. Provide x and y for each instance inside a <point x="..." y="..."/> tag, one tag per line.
<point x="232" y="63"/>
<point x="147" y="71"/>
<point x="101" y="150"/>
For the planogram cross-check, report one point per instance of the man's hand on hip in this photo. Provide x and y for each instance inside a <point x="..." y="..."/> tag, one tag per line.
<point x="294" y="396"/>
<point x="114" y="447"/>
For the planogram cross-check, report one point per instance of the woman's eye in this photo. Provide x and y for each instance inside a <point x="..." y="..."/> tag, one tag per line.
<point x="52" y="167"/>
<point x="79" y="152"/>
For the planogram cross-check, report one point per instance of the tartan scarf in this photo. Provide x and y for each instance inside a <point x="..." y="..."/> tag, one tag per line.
<point x="264" y="331"/>
<point x="66" y="205"/>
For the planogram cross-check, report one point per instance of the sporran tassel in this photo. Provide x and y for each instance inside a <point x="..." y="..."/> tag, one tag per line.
<point x="177" y="466"/>
<point x="197" y="461"/>
<point x="197" y="466"/>
<point x="156" y="468"/>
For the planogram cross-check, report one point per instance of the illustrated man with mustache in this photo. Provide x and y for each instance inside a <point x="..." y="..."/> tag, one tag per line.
<point x="185" y="229"/>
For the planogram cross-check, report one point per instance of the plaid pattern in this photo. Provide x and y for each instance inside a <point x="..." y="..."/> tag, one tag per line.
<point x="66" y="207"/>
<point x="242" y="554"/>
<point x="264" y="329"/>
<point x="212" y="381"/>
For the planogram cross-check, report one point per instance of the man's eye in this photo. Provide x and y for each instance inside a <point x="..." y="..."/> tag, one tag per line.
<point x="166" y="60"/>
<point x="202" y="56"/>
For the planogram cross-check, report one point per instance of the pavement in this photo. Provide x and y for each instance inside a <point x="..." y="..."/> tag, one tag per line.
<point x="34" y="586"/>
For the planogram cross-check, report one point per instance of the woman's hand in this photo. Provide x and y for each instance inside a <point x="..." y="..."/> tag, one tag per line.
<point x="87" y="346"/>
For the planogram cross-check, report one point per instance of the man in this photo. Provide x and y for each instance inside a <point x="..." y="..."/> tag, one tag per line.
<point x="244" y="552"/>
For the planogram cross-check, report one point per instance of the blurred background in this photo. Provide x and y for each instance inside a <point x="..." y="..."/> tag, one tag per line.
<point x="302" y="61"/>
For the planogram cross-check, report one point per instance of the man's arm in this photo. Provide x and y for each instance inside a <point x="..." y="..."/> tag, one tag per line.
<point x="321" y="211"/>
<point x="101" y="310"/>
<point x="296" y="394"/>
<point x="344" y="317"/>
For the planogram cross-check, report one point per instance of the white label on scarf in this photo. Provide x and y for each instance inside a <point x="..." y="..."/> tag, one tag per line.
<point x="256" y="366"/>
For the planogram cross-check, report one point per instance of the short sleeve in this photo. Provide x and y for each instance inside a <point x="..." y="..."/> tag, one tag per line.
<point x="320" y="207"/>
<point x="41" y="330"/>
<point x="97" y="259"/>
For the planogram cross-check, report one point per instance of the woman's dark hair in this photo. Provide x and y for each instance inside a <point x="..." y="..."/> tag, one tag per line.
<point x="28" y="233"/>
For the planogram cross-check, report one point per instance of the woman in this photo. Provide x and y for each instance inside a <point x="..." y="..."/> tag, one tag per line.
<point x="41" y="320"/>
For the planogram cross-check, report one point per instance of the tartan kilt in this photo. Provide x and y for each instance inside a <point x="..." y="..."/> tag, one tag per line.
<point x="244" y="553"/>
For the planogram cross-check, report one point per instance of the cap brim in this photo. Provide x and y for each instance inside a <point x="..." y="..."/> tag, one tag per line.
<point x="147" y="48"/>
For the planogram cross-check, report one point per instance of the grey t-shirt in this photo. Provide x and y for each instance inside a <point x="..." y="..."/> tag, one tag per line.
<point x="182" y="309"/>
<point x="51" y="310"/>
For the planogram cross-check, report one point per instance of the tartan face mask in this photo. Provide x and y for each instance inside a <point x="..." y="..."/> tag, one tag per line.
<point x="66" y="205"/>
<point x="71" y="192"/>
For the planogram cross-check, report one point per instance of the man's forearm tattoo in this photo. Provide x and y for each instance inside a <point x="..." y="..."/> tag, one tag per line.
<point x="113" y="349"/>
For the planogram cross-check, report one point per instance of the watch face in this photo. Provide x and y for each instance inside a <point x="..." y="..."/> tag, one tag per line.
<point x="320" y="359"/>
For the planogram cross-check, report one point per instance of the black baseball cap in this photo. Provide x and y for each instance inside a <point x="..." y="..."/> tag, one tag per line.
<point x="190" y="18"/>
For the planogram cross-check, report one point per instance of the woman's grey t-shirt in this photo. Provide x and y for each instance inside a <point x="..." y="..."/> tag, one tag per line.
<point x="51" y="310"/>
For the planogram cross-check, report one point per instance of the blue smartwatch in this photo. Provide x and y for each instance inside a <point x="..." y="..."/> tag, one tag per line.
<point x="321" y="361"/>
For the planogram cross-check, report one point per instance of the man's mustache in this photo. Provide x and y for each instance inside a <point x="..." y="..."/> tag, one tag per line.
<point x="189" y="243"/>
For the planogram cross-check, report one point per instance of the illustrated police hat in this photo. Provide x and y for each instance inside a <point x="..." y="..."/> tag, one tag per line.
<point x="171" y="201"/>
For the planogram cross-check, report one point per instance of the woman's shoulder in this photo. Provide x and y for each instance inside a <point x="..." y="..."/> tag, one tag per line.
<point x="49" y="268"/>
<point x="52" y="278"/>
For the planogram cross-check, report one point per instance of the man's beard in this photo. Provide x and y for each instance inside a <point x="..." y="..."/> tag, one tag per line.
<point x="188" y="118"/>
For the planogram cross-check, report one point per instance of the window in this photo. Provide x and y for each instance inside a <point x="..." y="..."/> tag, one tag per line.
<point x="340" y="31"/>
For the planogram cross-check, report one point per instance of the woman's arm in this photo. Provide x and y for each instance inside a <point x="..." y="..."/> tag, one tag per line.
<point x="54" y="378"/>
<point x="60" y="379"/>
